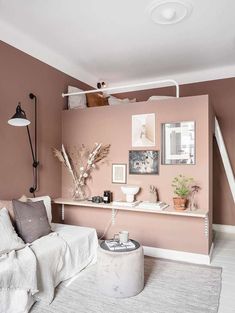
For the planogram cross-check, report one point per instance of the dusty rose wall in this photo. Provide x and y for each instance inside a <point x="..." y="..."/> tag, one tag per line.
<point x="154" y="230"/>
<point x="113" y="125"/>
<point x="222" y="98"/>
<point x="21" y="74"/>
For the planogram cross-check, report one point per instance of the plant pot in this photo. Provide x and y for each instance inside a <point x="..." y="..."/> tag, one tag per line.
<point x="179" y="203"/>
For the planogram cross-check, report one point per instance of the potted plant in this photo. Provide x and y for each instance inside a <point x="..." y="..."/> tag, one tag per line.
<point x="182" y="188"/>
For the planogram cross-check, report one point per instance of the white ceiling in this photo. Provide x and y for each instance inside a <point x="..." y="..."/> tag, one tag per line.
<point x="117" y="41"/>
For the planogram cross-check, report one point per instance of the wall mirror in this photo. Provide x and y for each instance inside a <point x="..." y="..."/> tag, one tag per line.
<point x="178" y="143"/>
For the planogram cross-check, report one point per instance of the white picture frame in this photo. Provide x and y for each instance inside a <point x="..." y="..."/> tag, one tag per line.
<point x="143" y="130"/>
<point x="178" y="143"/>
<point x="119" y="173"/>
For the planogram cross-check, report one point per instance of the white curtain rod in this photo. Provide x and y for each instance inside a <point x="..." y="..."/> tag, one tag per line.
<point x="168" y="81"/>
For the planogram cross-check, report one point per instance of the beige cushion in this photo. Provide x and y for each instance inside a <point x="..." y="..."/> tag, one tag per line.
<point x="31" y="220"/>
<point x="9" y="239"/>
<point x="23" y="198"/>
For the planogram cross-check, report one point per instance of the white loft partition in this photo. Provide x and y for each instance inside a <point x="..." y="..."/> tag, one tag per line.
<point x="218" y="133"/>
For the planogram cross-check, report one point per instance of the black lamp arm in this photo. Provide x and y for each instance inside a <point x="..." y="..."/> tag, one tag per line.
<point x="35" y="150"/>
<point x="35" y="162"/>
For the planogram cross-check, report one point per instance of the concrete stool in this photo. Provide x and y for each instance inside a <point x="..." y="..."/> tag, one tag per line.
<point x="120" y="274"/>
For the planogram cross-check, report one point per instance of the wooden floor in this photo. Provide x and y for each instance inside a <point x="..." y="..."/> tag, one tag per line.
<point x="224" y="256"/>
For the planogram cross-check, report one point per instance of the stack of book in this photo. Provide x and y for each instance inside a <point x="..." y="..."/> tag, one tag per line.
<point x="115" y="245"/>
<point x="159" y="206"/>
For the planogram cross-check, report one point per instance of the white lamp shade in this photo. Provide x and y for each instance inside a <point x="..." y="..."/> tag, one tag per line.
<point x="18" y="122"/>
<point x="19" y="118"/>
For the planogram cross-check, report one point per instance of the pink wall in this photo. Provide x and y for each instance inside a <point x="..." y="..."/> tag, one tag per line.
<point x="113" y="125"/>
<point x="154" y="230"/>
<point x="21" y="74"/>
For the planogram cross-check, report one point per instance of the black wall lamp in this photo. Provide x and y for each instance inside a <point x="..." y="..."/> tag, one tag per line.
<point x="20" y="119"/>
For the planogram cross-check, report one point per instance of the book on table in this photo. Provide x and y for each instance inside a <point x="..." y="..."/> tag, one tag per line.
<point x="115" y="245"/>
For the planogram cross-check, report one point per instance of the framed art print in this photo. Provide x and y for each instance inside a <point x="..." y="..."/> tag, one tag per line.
<point x="178" y="143"/>
<point x="144" y="162"/>
<point x="143" y="130"/>
<point x="119" y="173"/>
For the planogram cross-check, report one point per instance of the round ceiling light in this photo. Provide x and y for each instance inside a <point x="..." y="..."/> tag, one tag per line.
<point x="169" y="12"/>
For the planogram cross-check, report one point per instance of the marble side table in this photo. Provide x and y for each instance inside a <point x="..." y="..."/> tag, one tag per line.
<point x="120" y="274"/>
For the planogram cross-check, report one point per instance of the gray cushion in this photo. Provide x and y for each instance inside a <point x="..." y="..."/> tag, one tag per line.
<point x="31" y="220"/>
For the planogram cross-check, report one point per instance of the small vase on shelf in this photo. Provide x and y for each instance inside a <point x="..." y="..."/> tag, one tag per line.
<point x="193" y="204"/>
<point x="79" y="193"/>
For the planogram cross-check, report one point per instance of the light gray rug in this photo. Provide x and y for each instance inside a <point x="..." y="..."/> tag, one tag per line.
<point x="171" y="287"/>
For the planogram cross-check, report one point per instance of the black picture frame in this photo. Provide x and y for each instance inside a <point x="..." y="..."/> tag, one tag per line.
<point x="144" y="162"/>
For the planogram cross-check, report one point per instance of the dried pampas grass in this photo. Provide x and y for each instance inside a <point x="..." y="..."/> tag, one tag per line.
<point x="80" y="161"/>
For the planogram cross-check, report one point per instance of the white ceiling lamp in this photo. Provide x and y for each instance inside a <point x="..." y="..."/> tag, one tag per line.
<point x="169" y="11"/>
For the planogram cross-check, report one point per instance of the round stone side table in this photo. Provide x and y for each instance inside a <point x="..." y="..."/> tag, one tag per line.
<point x="120" y="274"/>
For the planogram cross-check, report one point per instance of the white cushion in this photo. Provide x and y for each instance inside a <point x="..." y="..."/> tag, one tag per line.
<point x="47" y="203"/>
<point x="78" y="101"/>
<point x="9" y="238"/>
<point x="115" y="101"/>
<point x="152" y="98"/>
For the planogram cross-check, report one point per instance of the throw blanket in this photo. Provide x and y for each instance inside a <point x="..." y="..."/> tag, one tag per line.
<point x="61" y="255"/>
<point x="18" y="271"/>
<point x="50" y="253"/>
<point x="38" y="269"/>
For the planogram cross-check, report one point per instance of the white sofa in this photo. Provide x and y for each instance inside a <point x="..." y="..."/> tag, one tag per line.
<point x="59" y="256"/>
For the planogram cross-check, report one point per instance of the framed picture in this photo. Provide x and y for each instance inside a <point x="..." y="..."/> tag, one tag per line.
<point x="178" y="143"/>
<point x="144" y="162"/>
<point x="143" y="130"/>
<point x="119" y="173"/>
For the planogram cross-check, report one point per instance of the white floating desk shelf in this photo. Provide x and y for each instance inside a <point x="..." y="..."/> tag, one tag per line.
<point x="168" y="211"/>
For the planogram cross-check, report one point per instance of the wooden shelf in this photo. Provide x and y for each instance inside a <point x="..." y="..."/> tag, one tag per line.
<point x="168" y="211"/>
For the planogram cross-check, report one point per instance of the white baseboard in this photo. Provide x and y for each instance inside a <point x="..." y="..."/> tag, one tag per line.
<point x="230" y="229"/>
<point x="179" y="255"/>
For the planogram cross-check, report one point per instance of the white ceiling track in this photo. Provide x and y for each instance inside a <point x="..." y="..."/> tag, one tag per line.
<point x="133" y="87"/>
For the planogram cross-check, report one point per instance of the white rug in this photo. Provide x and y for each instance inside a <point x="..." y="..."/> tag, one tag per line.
<point x="171" y="287"/>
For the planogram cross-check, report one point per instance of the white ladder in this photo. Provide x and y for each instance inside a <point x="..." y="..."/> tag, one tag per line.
<point x="225" y="158"/>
